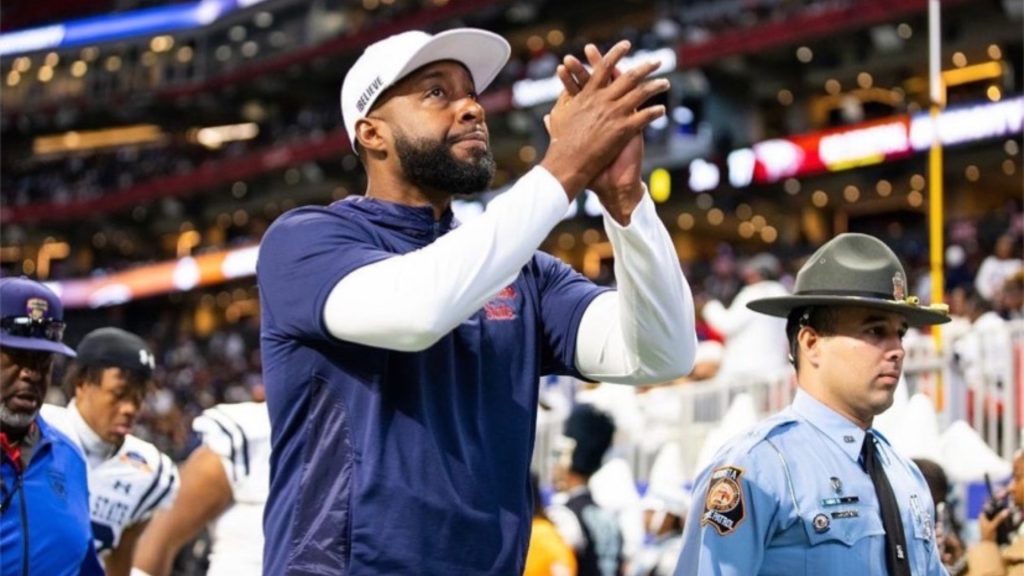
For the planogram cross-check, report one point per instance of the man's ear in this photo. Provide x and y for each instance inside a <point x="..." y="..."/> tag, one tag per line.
<point x="371" y="134"/>
<point x="810" y="345"/>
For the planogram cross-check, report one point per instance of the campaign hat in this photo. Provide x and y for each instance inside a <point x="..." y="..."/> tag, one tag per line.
<point x="854" y="270"/>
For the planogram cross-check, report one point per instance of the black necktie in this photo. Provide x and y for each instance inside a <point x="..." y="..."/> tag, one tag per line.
<point x="896" y="559"/>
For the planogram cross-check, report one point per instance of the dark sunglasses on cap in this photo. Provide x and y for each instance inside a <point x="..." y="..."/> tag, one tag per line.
<point x="25" y="327"/>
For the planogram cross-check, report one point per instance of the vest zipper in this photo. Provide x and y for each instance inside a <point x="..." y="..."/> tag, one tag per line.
<point x="24" y="530"/>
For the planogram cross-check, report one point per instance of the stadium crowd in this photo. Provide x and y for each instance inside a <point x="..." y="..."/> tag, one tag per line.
<point x="197" y="371"/>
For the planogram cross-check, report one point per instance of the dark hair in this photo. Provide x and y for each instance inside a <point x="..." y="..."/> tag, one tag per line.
<point x="593" y="431"/>
<point x="974" y="298"/>
<point x="822" y="319"/>
<point x="93" y="375"/>
<point x="935" y="477"/>
<point x="538" y="500"/>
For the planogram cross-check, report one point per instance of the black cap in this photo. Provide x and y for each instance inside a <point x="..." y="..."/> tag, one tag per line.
<point x="116" y="348"/>
<point x="593" y="431"/>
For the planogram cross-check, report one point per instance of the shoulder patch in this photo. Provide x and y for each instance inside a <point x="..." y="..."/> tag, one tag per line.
<point x="724" y="505"/>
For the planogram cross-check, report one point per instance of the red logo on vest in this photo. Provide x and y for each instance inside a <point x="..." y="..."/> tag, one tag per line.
<point x="496" y="309"/>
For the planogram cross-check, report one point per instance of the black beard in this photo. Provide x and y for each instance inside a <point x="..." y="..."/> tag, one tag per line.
<point x="431" y="165"/>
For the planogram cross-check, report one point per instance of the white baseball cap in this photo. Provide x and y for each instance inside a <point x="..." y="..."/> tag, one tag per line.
<point x="387" y="61"/>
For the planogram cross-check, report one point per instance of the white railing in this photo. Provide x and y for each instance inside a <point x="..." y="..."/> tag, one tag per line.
<point x="991" y="403"/>
<point x="991" y="398"/>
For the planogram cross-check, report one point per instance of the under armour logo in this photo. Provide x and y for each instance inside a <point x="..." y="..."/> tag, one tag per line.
<point x="146" y="358"/>
<point x="122" y="486"/>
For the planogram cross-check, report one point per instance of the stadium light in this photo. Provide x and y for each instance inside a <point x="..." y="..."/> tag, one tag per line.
<point x="215" y="136"/>
<point x="93" y="139"/>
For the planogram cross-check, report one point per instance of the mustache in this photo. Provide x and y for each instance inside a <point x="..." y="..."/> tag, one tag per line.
<point x="475" y="134"/>
<point x="20" y="389"/>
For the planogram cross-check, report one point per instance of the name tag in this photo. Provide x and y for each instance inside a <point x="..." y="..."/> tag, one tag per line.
<point x="839" y="514"/>
<point x="840" y="501"/>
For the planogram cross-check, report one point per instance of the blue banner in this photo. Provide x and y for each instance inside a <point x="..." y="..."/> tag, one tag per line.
<point x="98" y="29"/>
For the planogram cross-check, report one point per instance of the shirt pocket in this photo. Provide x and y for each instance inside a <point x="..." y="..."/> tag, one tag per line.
<point x="851" y="537"/>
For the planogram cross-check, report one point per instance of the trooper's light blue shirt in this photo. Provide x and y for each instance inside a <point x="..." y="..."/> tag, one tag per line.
<point x="791" y="498"/>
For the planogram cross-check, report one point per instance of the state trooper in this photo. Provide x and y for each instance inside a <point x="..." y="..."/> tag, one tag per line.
<point x="814" y="489"/>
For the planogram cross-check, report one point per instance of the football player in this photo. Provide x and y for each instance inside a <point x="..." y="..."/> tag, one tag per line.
<point x="129" y="478"/>
<point x="224" y="484"/>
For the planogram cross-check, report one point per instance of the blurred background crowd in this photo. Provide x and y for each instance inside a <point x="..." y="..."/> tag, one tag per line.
<point x="142" y="165"/>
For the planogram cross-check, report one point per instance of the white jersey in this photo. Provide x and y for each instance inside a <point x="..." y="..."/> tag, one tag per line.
<point x="240" y="435"/>
<point x="126" y="485"/>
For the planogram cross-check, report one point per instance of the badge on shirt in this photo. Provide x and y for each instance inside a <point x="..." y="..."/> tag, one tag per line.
<point x="840" y="514"/>
<point x="723" y="503"/>
<point x="839" y="501"/>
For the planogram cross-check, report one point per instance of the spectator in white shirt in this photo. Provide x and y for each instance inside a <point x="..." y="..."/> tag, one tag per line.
<point x="997" y="267"/>
<point x="755" y="344"/>
<point x="985" y="353"/>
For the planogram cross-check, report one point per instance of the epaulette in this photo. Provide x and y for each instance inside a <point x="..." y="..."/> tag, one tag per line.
<point x="763" y="430"/>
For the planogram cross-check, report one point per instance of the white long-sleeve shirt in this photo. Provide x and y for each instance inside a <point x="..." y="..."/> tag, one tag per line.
<point x="643" y="332"/>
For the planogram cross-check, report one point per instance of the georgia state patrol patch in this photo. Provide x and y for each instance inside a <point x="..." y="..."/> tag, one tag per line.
<point x="724" y="506"/>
